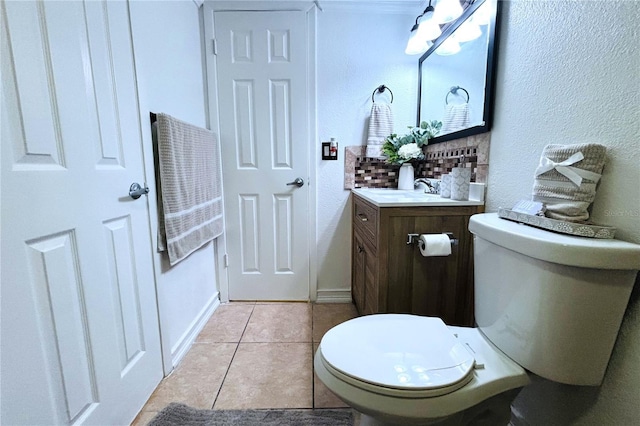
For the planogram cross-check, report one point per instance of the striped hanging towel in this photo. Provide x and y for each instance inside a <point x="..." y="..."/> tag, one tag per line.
<point x="190" y="188"/>
<point x="380" y="126"/>
<point x="456" y="117"/>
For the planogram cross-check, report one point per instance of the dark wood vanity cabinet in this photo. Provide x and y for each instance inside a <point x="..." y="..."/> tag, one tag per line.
<point x="390" y="276"/>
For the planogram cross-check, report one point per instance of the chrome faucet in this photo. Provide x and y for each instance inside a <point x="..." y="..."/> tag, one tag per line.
<point x="429" y="188"/>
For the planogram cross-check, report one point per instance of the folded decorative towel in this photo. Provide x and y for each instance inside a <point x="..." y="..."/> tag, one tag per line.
<point x="566" y="178"/>
<point x="190" y="190"/>
<point x="456" y="117"/>
<point x="380" y="126"/>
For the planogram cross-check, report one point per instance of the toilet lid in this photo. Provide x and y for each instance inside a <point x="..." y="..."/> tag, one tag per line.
<point x="398" y="351"/>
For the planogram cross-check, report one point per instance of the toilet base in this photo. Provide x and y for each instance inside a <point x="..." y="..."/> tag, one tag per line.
<point x="495" y="411"/>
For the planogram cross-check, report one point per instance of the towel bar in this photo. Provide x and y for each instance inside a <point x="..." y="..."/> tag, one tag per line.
<point x="454" y="90"/>
<point x="381" y="89"/>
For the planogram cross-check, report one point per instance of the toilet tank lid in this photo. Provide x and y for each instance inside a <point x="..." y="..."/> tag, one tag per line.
<point x="557" y="248"/>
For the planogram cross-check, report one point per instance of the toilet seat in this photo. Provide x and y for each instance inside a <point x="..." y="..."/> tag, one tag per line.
<point x="494" y="374"/>
<point x="398" y="355"/>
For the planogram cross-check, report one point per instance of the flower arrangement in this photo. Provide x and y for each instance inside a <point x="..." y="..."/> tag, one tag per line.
<point x="400" y="149"/>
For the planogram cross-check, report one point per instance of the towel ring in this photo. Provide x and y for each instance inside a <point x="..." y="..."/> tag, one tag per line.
<point x="381" y="89"/>
<point x="454" y="90"/>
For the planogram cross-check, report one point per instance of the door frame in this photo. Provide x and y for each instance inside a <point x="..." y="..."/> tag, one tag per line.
<point x="309" y="7"/>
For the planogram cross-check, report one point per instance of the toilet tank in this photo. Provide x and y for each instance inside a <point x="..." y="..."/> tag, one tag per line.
<point x="553" y="303"/>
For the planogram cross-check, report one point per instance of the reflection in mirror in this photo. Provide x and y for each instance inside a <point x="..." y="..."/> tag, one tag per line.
<point x="456" y="74"/>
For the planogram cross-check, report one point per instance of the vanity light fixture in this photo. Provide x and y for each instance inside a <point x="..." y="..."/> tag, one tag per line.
<point x="448" y="47"/>
<point x="423" y="32"/>
<point x="468" y="31"/>
<point x="447" y="11"/>
<point x="428" y="29"/>
<point x="482" y="16"/>
<point x="417" y="48"/>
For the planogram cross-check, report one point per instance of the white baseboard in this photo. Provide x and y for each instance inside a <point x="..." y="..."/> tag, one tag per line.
<point x="333" y="296"/>
<point x="181" y="348"/>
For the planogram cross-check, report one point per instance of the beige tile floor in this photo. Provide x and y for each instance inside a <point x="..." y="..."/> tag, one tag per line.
<point x="253" y="355"/>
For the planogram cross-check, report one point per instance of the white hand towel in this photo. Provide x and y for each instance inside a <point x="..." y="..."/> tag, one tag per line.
<point x="380" y="126"/>
<point x="456" y="117"/>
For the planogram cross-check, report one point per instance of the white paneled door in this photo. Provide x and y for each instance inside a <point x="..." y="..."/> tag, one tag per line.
<point x="264" y="131"/>
<point x="80" y="337"/>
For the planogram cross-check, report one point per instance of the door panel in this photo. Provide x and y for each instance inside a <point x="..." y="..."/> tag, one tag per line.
<point x="125" y="290"/>
<point x="263" y="97"/>
<point x="80" y="339"/>
<point x="54" y="265"/>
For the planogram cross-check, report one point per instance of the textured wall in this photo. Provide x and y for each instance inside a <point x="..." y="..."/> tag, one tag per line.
<point x="170" y="79"/>
<point x="569" y="72"/>
<point x="358" y="50"/>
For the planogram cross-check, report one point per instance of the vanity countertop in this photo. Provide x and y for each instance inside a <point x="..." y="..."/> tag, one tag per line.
<point x="389" y="197"/>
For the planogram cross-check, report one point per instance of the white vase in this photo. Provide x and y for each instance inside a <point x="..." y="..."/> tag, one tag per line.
<point x="405" y="177"/>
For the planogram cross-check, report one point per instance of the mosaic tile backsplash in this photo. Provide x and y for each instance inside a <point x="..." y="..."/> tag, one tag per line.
<point x="471" y="152"/>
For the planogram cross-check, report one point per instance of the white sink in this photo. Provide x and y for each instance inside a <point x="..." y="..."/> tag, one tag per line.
<point x="387" y="197"/>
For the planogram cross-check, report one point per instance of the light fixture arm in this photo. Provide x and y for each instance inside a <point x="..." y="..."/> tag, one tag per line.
<point x="428" y="9"/>
<point x="416" y="25"/>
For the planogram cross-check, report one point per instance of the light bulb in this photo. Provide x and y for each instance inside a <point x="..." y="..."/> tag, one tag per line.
<point x="482" y="15"/>
<point x="448" y="47"/>
<point x="428" y="28"/>
<point x="447" y="11"/>
<point x="468" y="31"/>
<point x="415" y="45"/>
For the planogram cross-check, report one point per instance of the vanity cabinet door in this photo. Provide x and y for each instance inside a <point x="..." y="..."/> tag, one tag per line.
<point x="433" y="286"/>
<point x="358" y="272"/>
<point x="371" y="293"/>
<point x="364" y="284"/>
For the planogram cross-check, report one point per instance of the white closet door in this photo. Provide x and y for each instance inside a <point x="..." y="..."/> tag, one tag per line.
<point x="264" y="131"/>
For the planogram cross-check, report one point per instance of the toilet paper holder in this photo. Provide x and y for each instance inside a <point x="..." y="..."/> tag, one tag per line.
<point x="413" y="238"/>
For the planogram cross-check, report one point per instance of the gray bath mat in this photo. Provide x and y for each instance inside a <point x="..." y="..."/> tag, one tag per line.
<point x="176" y="414"/>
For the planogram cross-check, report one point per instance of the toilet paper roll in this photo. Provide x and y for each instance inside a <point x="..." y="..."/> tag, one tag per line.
<point x="434" y="245"/>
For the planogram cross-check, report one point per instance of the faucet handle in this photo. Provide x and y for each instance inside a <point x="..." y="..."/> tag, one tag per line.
<point x="436" y="186"/>
<point x="429" y="188"/>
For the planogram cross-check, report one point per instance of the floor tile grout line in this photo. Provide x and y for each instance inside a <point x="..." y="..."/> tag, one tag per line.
<point x="313" y="323"/>
<point x="313" y="326"/>
<point x="232" y="358"/>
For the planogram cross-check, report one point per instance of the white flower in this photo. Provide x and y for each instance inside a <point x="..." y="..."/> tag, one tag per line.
<point x="409" y="151"/>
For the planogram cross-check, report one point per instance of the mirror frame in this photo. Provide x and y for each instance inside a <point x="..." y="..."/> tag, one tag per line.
<point x="490" y="76"/>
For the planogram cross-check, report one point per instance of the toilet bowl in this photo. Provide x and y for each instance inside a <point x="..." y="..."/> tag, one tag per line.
<point x="408" y="369"/>
<point x="545" y="303"/>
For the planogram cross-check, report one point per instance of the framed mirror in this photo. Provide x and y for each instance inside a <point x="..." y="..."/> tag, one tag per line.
<point x="456" y="78"/>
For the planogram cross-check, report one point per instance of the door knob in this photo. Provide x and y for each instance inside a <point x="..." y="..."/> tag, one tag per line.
<point x="136" y="191"/>
<point x="298" y="182"/>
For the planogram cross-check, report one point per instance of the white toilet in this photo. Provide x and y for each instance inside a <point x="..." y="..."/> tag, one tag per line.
<point x="548" y="303"/>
